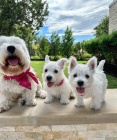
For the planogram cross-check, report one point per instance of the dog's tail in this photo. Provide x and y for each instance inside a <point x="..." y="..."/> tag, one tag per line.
<point x="101" y="65"/>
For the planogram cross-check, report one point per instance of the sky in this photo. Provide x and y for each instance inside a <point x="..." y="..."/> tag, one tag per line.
<point x="82" y="16"/>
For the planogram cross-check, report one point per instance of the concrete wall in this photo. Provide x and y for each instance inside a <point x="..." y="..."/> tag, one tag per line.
<point x="113" y="16"/>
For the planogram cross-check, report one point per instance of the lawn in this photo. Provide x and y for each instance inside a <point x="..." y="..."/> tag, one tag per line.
<point x="38" y="67"/>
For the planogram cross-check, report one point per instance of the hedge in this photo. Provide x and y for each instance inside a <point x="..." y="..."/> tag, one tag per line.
<point x="104" y="47"/>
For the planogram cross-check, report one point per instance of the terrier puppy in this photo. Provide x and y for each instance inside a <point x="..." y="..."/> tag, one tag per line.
<point x="55" y="82"/>
<point x="17" y="79"/>
<point x="88" y="81"/>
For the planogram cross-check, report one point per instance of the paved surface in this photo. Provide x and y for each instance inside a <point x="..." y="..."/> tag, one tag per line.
<point x="60" y="132"/>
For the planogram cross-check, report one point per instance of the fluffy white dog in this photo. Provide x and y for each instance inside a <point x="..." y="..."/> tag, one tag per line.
<point x="88" y="81"/>
<point x="55" y="82"/>
<point x="17" y="79"/>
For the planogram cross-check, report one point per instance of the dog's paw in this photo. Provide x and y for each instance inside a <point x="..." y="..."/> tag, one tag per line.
<point x="4" y="108"/>
<point x="31" y="103"/>
<point x="64" y="102"/>
<point x="79" y="104"/>
<point x="42" y="94"/>
<point x="47" y="101"/>
<point x="95" y="106"/>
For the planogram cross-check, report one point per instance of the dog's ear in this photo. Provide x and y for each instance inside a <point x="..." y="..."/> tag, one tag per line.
<point x="61" y="62"/>
<point x="47" y="59"/>
<point x="92" y="63"/>
<point x="72" y="63"/>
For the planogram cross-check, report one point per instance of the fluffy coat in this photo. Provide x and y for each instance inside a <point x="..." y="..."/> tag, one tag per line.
<point x="55" y="82"/>
<point x="88" y="81"/>
<point x="14" y="60"/>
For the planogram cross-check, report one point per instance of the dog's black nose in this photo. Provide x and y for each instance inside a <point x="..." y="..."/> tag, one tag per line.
<point x="49" y="78"/>
<point x="11" y="49"/>
<point x="80" y="83"/>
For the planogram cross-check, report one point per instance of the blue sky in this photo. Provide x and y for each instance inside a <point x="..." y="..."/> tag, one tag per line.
<point x="80" y="15"/>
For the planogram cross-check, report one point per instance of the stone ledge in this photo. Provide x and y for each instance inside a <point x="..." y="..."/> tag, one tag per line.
<point x="57" y="114"/>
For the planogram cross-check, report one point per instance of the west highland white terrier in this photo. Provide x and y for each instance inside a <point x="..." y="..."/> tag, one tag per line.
<point x="55" y="82"/>
<point x="88" y="81"/>
<point x="17" y="80"/>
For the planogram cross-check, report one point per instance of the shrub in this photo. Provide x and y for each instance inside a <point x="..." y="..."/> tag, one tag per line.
<point x="104" y="47"/>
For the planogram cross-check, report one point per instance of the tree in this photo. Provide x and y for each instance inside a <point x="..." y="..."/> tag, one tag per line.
<point x="23" y="13"/>
<point x="54" y="44"/>
<point x="102" y="27"/>
<point x="77" y="48"/>
<point x="43" y="47"/>
<point x="67" y="43"/>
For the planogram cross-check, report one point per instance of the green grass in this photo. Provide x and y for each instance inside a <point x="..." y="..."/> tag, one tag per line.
<point x="38" y="68"/>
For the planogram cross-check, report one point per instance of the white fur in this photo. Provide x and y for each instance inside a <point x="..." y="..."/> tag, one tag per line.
<point x="62" y="92"/>
<point x="93" y="86"/>
<point x="10" y="90"/>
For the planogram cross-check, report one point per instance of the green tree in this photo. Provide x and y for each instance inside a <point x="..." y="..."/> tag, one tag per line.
<point x="43" y="47"/>
<point x="102" y="27"/>
<point x="77" y="48"/>
<point x="54" y="44"/>
<point x="23" y="14"/>
<point x="67" y="43"/>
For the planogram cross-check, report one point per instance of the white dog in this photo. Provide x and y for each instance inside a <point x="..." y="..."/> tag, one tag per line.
<point x="55" y="82"/>
<point x="88" y="81"/>
<point x="17" y="78"/>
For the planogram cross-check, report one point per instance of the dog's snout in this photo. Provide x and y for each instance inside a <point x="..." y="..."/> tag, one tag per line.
<point x="11" y="49"/>
<point x="80" y="83"/>
<point x="49" y="78"/>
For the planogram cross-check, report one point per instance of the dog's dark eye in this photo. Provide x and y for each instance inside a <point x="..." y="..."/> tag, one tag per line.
<point x="46" y="70"/>
<point x="87" y="76"/>
<point x="55" y="71"/>
<point x="75" y="75"/>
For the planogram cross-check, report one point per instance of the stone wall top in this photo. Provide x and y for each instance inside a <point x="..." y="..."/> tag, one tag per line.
<point x="57" y="114"/>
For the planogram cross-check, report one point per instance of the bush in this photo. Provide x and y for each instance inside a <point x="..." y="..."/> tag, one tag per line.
<point x="104" y="47"/>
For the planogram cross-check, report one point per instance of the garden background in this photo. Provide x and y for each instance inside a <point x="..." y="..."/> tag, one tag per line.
<point x="24" y="18"/>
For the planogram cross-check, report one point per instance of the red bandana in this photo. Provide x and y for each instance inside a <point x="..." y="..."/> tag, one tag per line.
<point x="23" y="79"/>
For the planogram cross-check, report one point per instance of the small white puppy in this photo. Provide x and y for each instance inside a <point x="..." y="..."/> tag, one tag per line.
<point x="55" y="82"/>
<point x="88" y="81"/>
<point x="17" y="78"/>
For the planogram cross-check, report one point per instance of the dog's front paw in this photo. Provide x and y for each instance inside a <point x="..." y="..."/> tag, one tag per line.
<point x="64" y="102"/>
<point x="41" y="93"/>
<point x="31" y="103"/>
<point x="47" y="101"/>
<point x="95" y="106"/>
<point x="79" y="104"/>
<point x="4" y="108"/>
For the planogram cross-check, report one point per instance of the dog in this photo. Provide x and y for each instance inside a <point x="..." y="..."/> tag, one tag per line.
<point x="88" y="80"/>
<point x="55" y="82"/>
<point x="17" y="78"/>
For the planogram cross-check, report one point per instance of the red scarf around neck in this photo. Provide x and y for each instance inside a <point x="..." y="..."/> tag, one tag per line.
<point x="23" y="79"/>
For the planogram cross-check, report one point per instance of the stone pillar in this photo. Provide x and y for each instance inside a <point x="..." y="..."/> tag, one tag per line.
<point x="113" y="16"/>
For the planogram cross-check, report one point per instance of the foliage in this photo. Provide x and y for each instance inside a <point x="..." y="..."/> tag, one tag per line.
<point x="67" y="43"/>
<point x="27" y="15"/>
<point x="77" y="48"/>
<point x="102" y="27"/>
<point x="43" y="47"/>
<point x="54" y="44"/>
<point x="104" y="47"/>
